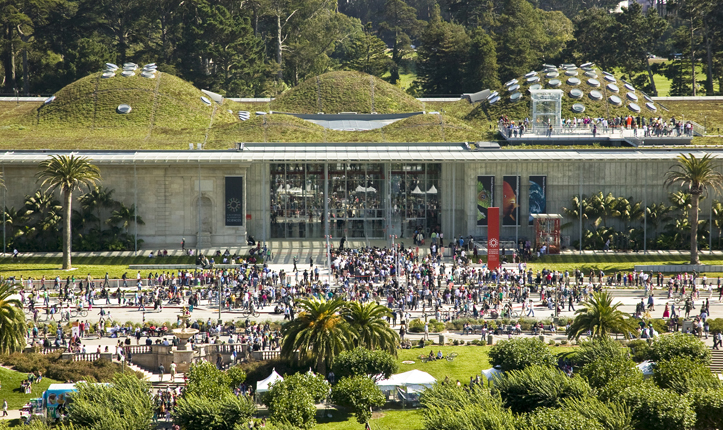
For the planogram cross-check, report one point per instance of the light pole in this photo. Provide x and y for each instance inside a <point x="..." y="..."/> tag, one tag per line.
<point x="328" y="258"/>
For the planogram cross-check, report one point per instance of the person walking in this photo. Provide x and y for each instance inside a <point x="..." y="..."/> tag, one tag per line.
<point x="173" y="371"/>
<point x="183" y="244"/>
<point x="426" y="331"/>
<point x="530" y="310"/>
<point x="717" y="338"/>
<point x="5" y="407"/>
<point x="161" y="370"/>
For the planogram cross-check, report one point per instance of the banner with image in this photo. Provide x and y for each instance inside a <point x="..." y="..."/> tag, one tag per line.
<point x="538" y="196"/>
<point x="485" y="197"/>
<point x="510" y="197"/>
<point x="233" y="205"/>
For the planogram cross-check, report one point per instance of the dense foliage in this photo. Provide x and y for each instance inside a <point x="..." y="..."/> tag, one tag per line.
<point x="292" y="401"/>
<point x="12" y="319"/>
<point x="207" y="381"/>
<point x="193" y="412"/>
<point x="538" y="386"/>
<point x="364" y="362"/>
<point x="679" y="345"/>
<point x="519" y="353"/>
<point x="359" y="394"/>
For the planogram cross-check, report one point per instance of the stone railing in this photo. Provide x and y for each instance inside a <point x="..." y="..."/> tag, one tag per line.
<point x="91" y="356"/>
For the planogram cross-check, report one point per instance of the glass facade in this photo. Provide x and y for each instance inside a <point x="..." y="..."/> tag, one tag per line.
<point x="358" y="201"/>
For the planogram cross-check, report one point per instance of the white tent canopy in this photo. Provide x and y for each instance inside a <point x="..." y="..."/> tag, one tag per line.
<point x="414" y="380"/>
<point x="264" y="386"/>
<point x="647" y="367"/>
<point x="493" y="373"/>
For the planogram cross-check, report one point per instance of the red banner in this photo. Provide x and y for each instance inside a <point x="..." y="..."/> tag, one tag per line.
<point x="493" y="238"/>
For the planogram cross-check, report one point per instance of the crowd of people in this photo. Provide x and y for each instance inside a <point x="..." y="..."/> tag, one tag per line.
<point x="640" y="125"/>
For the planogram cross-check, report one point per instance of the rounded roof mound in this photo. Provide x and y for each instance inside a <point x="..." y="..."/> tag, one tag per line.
<point x="337" y="92"/>
<point x="164" y="101"/>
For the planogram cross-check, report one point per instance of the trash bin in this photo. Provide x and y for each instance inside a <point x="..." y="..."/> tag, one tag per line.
<point x="490" y="339"/>
<point x="442" y="339"/>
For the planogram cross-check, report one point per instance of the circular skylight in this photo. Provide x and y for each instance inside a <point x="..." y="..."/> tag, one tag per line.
<point x="573" y="81"/>
<point x="595" y="95"/>
<point x="610" y="78"/>
<point x="493" y="100"/>
<point x="110" y="66"/>
<point x="576" y="93"/>
<point x="512" y="82"/>
<point x="612" y="87"/>
<point x="578" y="107"/>
<point x="552" y="75"/>
<point x="607" y="74"/>
<point x="149" y="75"/>
<point x="593" y="82"/>
<point x="534" y="87"/>
<point x="587" y="65"/>
<point x="107" y="75"/>
<point x="591" y="74"/>
<point x="127" y="73"/>
<point x="205" y="100"/>
<point x="570" y="72"/>
<point x="123" y="109"/>
<point x="651" y="106"/>
<point x="648" y="99"/>
<point x="515" y="97"/>
<point x="631" y="97"/>
<point x="629" y="87"/>
<point x="513" y="88"/>
<point x="549" y="66"/>
<point x="531" y="74"/>
<point x="615" y="100"/>
<point x="554" y="83"/>
<point x="634" y="107"/>
<point x="533" y="79"/>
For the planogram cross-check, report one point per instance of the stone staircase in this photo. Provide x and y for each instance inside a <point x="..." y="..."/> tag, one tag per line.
<point x="155" y="378"/>
<point x="716" y="362"/>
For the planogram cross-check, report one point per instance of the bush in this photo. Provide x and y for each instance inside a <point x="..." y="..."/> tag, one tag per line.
<point x="195" y="412"/>
<point x="517" y="354"/>
<point x="552" y="342"/>
<point x="609" y="375"/>
<point x="639" y="350"/>
<point x="52" y="366"/>
<point x="611" y="415"/>
<point x="660" y="325"/>
<point x="597" y="349"/>
<point x="655" y="408"/>
<point x="538" y="386"/>
<point x="360" y="394"/>
<point x="558" y="419"/>
<point x="416" y="326"/>
<point x="363" y="362"/>
<point x="679" y="345"/>
<point x="292" y="401"/>
<point x="681" y="374"/>
<point x="207" y="381"/>
<point x="563" y="342"/>
<point x="708" y="407"/>
<point x="716" y="325"/>
<point x="448" y="407"/>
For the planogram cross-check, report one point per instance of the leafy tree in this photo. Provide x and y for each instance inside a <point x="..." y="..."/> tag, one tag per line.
<point x="97" y="199"/>
<point x="125" y="215"/>
<point x="370" y="327"/>
<point x="612" y="415"/>
<point x="12" y="320"/>
<point x="592" y="26"/>
<point x="683" y="374"/>
<point x="365" y="53"/>
<point x="291" y="401"/>
<point x="656" y="215"/>
<point x="193" y="412"/>
<point x="364" y="362"/>
<point x="67" y="173"/>
<point x="599" y="348"/>
<point x="655" y="408"/>
<point x="538" y="387"/>
<point x="124" y="404"/>
<point x="520" y="39"/>
<point x="679" y="345"/>
<point x="708" y="407"/>
<point x="697" y="175"/>
<point x="207" y="381"/>
<point x="520" y="353"/>
<point x="482" y="67"/>
<point x="600" y="317"/>
<point x="400" y="25"/>
<point x="559" y="419"/>
<point x="609" y="375"/>
<point x="319" y="332"/>
<point x="359" y="394"/>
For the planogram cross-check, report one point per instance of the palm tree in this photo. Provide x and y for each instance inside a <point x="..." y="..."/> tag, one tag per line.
<point x="657" y="214"/>
<point x="370" y="327"/>
<point x="67" y="173"/>
<point x="125" y="216"/>
<point x="697" y="175"/>
<point x="718" y="218"/>
<point x="12" y="320"/>
<point x="319" y="332"/>
<point x="97" y="199"/>
<point x="600" y="317"/>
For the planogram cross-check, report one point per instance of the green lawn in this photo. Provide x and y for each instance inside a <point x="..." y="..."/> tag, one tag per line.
<point x="11" y="388"/>
<point x="96" y="266"/>
<point x="388" y="419"/>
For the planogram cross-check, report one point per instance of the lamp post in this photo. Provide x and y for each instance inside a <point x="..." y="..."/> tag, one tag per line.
<point x="328" y="258"/>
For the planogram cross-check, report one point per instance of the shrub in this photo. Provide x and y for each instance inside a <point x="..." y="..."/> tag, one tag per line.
<point x="416" y="326"/>
<point x="598" y="348"/>
<point x="517" y="354"/>
<point x="358" y="393"/>
<point x="207" y="381"/>
<point x="639" y="350"/>
<point x="679" y="345"/>
<point x="196" y="412"/>
<point x="563" y="342"/>
<point x="609" y="375"/>
<point x="611" y="415"/>
<point x="434" y="326"/>
<point x="708" y="407"/>
<point x="52" y="366"/>
<point x="659" y="325"/>
<point x="681" y="374"/>
<point x="551" y="342"/>
<point x="655" y="408"/>
<point x="558" y="419"/>
<point x="292" y="401"/>
<point x="448" y="407"/>
<point x="538" y="386"/>
<point x="363" y="362"/>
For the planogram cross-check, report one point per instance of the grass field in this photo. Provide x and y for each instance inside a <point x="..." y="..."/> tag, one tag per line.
<point x="96" y="266"/>
<point x="11" y="388"/>
<point x="613" y="262"/>
<point x="387" y="419"/>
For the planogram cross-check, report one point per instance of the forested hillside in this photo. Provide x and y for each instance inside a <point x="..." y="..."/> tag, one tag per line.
<point x="243" y="48"/>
